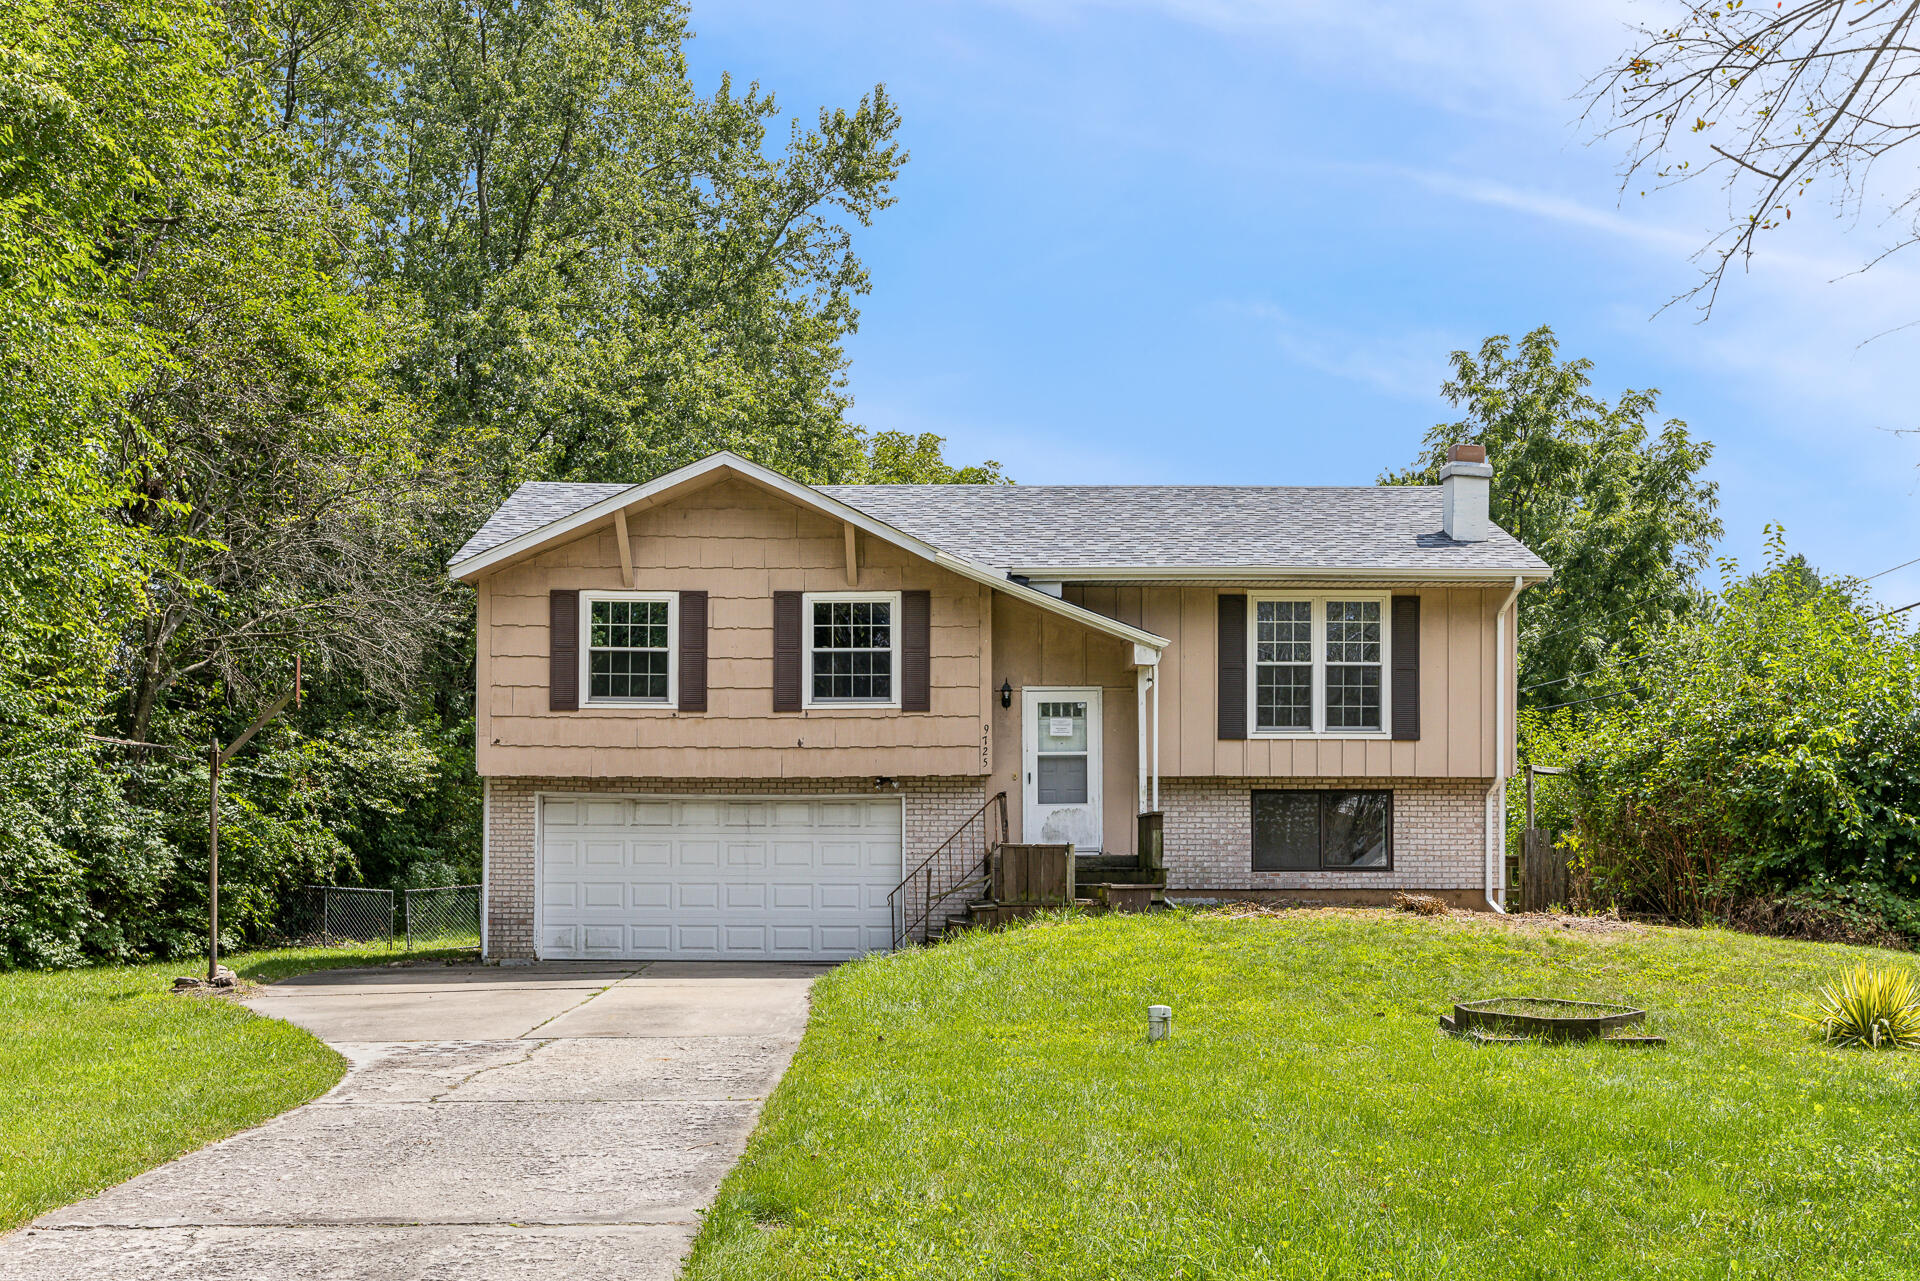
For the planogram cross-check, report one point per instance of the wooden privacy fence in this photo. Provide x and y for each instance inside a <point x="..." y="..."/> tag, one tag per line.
<point x="1545" y="881"/>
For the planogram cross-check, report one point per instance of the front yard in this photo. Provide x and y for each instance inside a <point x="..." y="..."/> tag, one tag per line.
<point x="990" y="1108"/>
<point x="104" y="1073"/>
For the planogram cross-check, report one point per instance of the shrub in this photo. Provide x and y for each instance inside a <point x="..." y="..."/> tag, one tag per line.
<point x="1879" y="1008"/>
<point x="1767" y="742"/>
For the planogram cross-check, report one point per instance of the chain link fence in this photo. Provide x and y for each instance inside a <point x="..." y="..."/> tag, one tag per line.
<point x="443" y="916"/>
<point x="328" y="914"/>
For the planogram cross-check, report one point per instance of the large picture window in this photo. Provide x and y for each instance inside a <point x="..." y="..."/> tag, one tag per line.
<point x="1319" y="664"/>
<point x="628" y="648"/>
<point x="853" y="648"/>
<point x="1322" y="831"/>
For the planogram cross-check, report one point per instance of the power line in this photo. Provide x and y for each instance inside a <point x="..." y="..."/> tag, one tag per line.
<point x="1554" y="707"/>
<point x="1883" y="573"/>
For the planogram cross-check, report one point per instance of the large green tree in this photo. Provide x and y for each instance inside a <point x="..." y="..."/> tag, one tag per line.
<point x="1616" y="505"/>
<point x="618" y="273"/>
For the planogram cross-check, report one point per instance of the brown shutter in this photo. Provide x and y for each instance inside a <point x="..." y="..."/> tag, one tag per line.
<point x="916" y="643"/>
<point x="693" y="651"/>
<point x="563" y="649"/>
<point x="1233" y="666"/>
<point x="786" y="651"/>
<point x="1406" y="667"/>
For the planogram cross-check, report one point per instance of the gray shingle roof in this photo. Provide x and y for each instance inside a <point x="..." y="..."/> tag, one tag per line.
<point x="1374" y="527"/>
<point x="535" y="503"/>
<point x="1018" y="527"/>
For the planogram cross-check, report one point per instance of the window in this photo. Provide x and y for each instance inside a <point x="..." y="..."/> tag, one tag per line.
<point x="1353" y="664"/>
<point x="1322" y="831"/>
<point x="853" y="648"/>
<point x="1283" y="664"/>
<point x="1319" y="664"/>
<point x="1061" y="752"/>
<point x="629" y="649"/>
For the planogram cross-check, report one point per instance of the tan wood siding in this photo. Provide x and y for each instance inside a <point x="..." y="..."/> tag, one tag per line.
<point x="739" y="544"/>
<point x="1456" y="693"/>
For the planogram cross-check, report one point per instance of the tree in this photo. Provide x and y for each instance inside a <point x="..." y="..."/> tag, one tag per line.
<point x="1617" y="509"/>
<point x="286" y="482"/>
<point x="899" y="458"/>
<point x="1762" y="743"/>
<point x="1782" y="105"/>
<point x="618" y="274"/>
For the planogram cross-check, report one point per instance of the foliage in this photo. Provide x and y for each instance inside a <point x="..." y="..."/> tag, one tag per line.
<point x="1876" y="1007"/>
<point x="1618" y="510"/>
<point x="1767" y="741"/>
<point x="990" y="1108"/>
<point x="289" y="296"/>
<point x="1781" y="105"/>
<point x="619" y="275"/>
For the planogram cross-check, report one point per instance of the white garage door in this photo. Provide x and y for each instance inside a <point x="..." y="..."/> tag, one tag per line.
<point x="657" y="877"/>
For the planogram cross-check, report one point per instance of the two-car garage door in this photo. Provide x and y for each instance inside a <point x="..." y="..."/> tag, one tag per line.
<point x="748" y="879"/>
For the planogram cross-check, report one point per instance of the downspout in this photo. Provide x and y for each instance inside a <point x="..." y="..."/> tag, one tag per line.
<point x="1497" y="797"/>
<point x="486" y="824"/>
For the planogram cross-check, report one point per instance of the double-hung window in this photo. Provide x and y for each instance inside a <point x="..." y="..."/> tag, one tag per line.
<point x="629" y="647"/>
<point x="1319" y="664"/>
<point x="853" y="648"/>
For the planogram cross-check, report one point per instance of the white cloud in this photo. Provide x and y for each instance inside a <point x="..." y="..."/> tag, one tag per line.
<point x="1407" y="364"/>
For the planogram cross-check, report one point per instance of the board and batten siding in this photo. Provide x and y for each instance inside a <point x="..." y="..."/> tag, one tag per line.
<point x="1456" y="692"/>
<point x="739" y="544"/>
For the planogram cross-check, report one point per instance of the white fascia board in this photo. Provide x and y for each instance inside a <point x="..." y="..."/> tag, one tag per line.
<point x="805" y="494"/>
<point x="1199" y="573"/>
<point x="998" y="580"/>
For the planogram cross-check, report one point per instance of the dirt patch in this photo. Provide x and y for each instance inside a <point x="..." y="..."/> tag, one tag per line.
<point x="1535" y="922"/>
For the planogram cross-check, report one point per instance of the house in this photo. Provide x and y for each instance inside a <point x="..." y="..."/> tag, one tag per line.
<point x="727" y="714"/>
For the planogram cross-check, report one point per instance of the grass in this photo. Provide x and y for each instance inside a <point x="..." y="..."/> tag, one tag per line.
<point x="105" y="1073"/>
<point x="990" y="1108"/>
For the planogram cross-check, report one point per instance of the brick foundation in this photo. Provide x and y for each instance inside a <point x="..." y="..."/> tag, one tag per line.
<point x="935" y="807"/>
<point x="1439" y="840"/>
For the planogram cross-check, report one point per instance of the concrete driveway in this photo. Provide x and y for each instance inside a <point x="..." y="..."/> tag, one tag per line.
<point x="551" y="1121"/>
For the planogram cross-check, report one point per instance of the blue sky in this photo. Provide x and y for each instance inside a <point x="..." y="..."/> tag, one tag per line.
<point x="1234" y="241"/>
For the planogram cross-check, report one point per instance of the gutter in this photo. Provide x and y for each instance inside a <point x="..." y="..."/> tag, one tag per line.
<point x="1497" y="797"/>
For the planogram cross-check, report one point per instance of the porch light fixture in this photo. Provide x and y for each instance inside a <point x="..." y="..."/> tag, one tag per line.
<point x="1006" y="693"/>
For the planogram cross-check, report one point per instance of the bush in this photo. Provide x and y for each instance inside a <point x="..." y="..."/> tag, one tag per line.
<point x="1767" y="743"/>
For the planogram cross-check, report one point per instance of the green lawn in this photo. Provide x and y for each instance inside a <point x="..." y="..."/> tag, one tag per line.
<point x="990" y="1108"/>
<point x="104" y="1073"/>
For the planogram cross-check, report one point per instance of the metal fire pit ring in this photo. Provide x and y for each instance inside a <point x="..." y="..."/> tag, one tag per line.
<point x="1502" y="1020"/>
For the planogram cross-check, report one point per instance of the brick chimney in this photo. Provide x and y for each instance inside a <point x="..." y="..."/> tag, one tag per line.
<point x="1466" y="483"/>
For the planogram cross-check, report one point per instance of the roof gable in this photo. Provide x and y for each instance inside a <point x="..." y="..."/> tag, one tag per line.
<point x="518" y="533"/>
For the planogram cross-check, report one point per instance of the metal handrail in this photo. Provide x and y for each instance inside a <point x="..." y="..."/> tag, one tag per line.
<point x="924" y="872"/>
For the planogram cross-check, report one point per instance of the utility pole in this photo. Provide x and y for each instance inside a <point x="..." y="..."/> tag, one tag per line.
<point x="215" y="759"/>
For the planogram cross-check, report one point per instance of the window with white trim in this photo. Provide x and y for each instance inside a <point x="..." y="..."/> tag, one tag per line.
<point x="629" y="647"/>
<point x="1318" y="664"/>
<point x="853" y="648"/>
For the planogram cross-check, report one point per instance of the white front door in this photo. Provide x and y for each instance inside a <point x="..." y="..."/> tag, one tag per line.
<point x="1060" y="763"/>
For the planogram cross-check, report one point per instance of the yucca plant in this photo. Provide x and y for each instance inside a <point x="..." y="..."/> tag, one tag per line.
<point x="1874" y="1007"/>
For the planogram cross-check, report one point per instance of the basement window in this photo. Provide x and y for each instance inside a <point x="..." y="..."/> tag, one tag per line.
<point x="1322" y="831"/>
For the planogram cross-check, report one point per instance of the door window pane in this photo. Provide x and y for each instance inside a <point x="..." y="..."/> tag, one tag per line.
<point x="1063" y="780"/>
<point x="1063" y="727"/>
